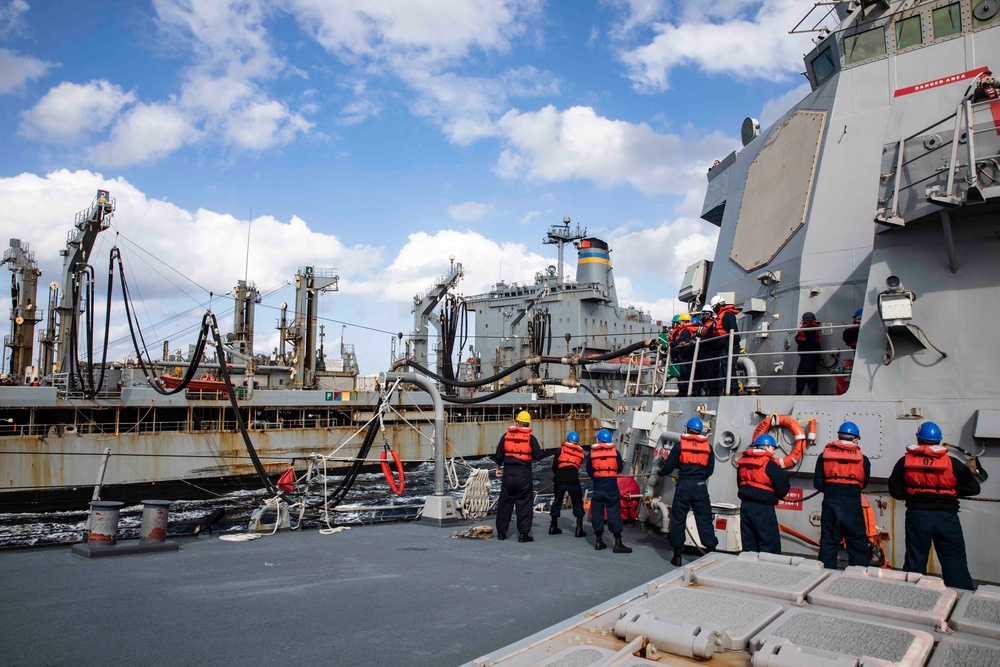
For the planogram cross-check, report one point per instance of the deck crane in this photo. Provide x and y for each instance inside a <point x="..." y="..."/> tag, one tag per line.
<point x="24" y="314"/>
<point x="424" y="304"/>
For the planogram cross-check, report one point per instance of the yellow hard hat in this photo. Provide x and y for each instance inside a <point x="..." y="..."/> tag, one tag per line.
<point x="523" y="416"/>
<point x="684" y="317"/>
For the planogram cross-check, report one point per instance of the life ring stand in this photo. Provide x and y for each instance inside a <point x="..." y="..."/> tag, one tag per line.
<point x="387" y="470"/>
<point x="802" y="437"/>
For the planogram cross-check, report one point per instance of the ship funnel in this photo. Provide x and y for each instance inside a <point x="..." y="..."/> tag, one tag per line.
<point x="594" y="265"/>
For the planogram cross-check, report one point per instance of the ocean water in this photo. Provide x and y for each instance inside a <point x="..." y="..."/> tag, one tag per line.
<point x="369" y="501"/>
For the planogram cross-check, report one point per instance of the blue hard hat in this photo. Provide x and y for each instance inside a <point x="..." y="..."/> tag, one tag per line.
<point x="573" y="436"/>
<point x="604" y="435"/>
<point x="849" y="428"/>
<point x="929" y="432"/>
<point x="694" y="424"/>
<point x="857" y="314"/>
<point x="765" y="440"/>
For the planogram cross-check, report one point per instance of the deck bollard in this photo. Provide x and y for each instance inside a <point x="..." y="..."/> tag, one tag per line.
<point x="154" y="521"/>
<point x="102" y="525"/>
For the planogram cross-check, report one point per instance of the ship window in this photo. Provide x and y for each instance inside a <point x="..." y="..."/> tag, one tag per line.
<point x="947" y="20"/>
<point x="864" y="45"/>
<point x="823" y="66"/>
<point x="908" y="33"/>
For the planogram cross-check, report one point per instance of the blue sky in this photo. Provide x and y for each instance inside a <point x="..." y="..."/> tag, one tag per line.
<point x="377" y="138"/>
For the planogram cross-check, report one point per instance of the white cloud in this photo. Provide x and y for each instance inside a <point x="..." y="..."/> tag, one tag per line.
<point x="146" y="133"/>
<point x="470" y="211"/>
<point x="776" y="108"/>
<point x="744" y="43"/>
<point x="528" y="217"/>
<point x="70" y="111"/>
<point x="264" y="125"/>
<point x="11" y="19"/>
<point x="551" y="145"/>
<point x="16" y="70"/>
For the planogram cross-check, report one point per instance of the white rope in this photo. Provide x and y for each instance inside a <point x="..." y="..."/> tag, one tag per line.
<point x="452" y="473"/>
<point x="475" y="501"/>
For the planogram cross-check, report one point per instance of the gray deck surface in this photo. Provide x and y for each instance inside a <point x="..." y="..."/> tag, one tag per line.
<point x="392" y="594"/>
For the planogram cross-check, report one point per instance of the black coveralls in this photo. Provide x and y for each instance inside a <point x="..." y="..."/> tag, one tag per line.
<point x="758" y="521"/>
<point x="690" y="493"/>
<point x="842" y="518"/>
<point x="517" y="490"/>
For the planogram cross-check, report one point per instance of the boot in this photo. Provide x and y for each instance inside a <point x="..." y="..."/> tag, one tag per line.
<point x="599" y="542"/>
<point x="676" y="560"/>
<point x="501" y="536"/>
<point x="580" y="532"/>
<point x="620" y="548"/>
<point x="554" y="527"/>
<point x="525" y="537"/>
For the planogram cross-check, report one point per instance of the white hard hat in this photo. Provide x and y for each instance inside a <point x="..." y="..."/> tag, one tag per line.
<point x="717" y="300"/>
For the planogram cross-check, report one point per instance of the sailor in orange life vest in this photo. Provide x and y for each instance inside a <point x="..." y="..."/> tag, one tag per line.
<point x="762" y="484"/>
<point x="695" y="463"/>
<point x="842" y="471"/>
<point x="931" y="482"/>
<point x="515" y="452"/>
<point x="603" y="465"/>
<point x="566" y="479"/>
<point x="808" y="345"/>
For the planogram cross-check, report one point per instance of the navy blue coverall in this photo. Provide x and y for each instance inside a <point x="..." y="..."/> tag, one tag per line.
<point x="606" y="496"/>
<point x="517" y="490"/>
<point x="758" y="520"/>
<point x="691" y="493"/>
<point x="566" y="480"/>
<point x="934" y="517"/>
<point x="842" y="518"/>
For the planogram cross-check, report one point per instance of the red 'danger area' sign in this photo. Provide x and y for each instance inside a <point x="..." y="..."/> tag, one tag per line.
<point x="793" y="501"/>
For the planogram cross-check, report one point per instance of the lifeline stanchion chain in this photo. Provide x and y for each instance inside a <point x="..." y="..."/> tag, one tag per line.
<point x="475" y="501"/>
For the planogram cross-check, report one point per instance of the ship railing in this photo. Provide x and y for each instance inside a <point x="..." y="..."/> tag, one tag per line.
<point x="728" y="362"/>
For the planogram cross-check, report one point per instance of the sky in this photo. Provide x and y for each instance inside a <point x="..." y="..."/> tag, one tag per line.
<point x="243" y="139"/>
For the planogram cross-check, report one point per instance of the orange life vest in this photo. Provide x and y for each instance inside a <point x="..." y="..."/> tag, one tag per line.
<point x="517" y="443"/>
<point x="928" y="470"/>
<point x="571" y="455"/>
<point x="695" y="449"/>
<point x="604" y="459"/>
<point x="719" y="329"/>
<point x="843" y="463"/>
<point x="752" y="469"/>
<point x="801" y="335"/>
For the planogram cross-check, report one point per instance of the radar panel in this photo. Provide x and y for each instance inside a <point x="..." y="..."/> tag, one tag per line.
<point x="779" y="185"/>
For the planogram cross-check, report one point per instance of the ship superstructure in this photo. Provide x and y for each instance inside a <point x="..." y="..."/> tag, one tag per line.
<point x="878" y="192"/>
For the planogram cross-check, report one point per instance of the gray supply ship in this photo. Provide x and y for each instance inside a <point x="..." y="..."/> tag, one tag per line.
<point x="169" y="423"/>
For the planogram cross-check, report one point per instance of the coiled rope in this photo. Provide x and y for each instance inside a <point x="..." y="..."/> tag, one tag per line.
<point x="475" y="501"/>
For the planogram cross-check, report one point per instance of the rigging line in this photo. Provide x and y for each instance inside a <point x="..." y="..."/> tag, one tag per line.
<point x="350" y="324"/>
<point x="186" y="277"/>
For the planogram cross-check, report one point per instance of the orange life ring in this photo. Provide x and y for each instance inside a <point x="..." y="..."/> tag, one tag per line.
<point x="801" y="437"/>
<point x="387" y="471"/>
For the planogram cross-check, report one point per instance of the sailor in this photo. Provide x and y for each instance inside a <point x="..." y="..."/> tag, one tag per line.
<point x="566" y="478"/>
<point x="931" y="482"/>
<point x="807" y="340"/>
<point x="515" y="452"/>
<point x="762" y="484"/>
<point x="986" y="89"/>
<point x="725" y="321"/>
<point x="603" y="465"/>
<point x="682" y="350"/>
<point x="851" y="333"/>
<point x="842" y="471"/>
<point x="694" y="462"/>
<point x="709" y="349"/>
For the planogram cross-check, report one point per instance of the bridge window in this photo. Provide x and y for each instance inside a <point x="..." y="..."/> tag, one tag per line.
<point x="984" y="13"/>
<point x="864" y="45"/>
<point x="823" y="66"/>
<point x="947" y="20"/>
<point x="908" y="33"/>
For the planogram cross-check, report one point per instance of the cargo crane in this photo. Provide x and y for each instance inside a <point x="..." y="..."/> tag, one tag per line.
<point x="24" y="314"/>
<point x="89" y="223"/>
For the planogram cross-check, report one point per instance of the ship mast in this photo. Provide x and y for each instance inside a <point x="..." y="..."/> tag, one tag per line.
<point x="560" y="235"/>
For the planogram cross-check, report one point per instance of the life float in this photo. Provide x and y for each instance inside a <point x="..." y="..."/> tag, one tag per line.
<point x="802" y="437"/>
<point x="387" y="470"/>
